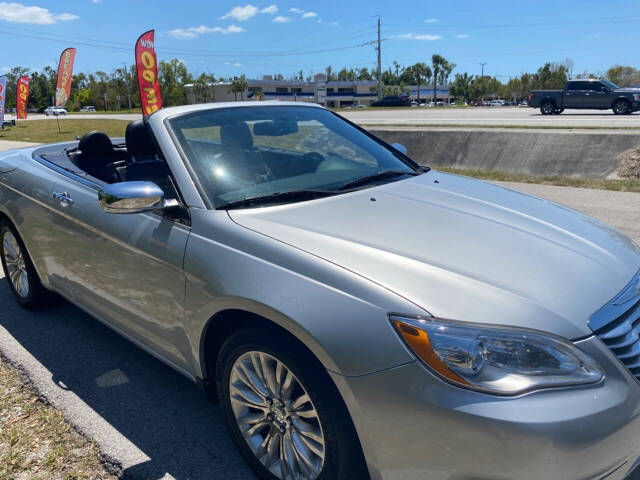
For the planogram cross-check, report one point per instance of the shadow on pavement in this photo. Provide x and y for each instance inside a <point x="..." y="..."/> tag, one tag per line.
<point x="165" y="415"/>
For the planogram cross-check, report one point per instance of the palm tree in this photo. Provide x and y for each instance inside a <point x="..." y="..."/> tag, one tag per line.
<point x="239" y="85"/>
<point x="438" y="62"/>
<point x="420" y="71"/>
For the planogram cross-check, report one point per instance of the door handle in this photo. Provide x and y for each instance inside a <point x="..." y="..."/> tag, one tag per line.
<point x="64" y="199"/>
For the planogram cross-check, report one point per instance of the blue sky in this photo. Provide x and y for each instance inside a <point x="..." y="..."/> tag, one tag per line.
<point x="259" y="37"/>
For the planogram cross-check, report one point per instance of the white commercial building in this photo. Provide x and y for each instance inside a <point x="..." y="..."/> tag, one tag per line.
<point x="330" y="94"/>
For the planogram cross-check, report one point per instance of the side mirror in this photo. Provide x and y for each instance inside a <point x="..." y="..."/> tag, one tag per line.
<point x="131" y="197"/>
<point x="399" y="147"/>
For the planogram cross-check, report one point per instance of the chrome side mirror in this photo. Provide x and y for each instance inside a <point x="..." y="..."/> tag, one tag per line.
<point x="401" y="148"/>
<point x="131" y="197"/>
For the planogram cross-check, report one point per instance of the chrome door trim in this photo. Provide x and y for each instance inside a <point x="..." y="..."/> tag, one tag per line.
<point x="84" y="181"/>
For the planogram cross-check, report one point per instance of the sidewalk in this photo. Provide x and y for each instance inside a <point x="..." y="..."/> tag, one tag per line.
<point x="8" y="145"/>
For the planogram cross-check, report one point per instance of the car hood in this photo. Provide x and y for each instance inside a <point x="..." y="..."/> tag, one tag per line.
<point x="464" y="249"/>
<point x="627" y="90"/>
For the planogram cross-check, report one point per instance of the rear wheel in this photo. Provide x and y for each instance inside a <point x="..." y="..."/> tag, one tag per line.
<point x="19" y="270"/>
<point x="547" y="107"/>
<point x="284" y="413"/>
<point x="622" y="107"/>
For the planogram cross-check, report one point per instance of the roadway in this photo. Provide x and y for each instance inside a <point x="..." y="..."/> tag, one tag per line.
<point x="442" y="116"/>
<point x="150" y="422"/>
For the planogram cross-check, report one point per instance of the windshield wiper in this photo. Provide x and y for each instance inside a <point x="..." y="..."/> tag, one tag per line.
<point x="276" y="198"/>
<point x="382" y="175"/>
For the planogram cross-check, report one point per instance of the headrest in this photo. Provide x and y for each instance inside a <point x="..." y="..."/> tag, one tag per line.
<point x="236" y="136"/>
<point x="95" y="144"/>
<point x="139" y="140"/>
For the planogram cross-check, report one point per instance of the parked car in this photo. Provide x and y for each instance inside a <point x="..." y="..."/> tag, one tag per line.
<point x="55" y="111"/>
<point x="356" y="315"/>
<point x="393" y="101"/>
<point x="88" y="108"/>
<point x="587" y="94"/>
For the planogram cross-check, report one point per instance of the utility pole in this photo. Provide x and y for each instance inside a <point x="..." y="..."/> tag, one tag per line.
<point x="483" y="64"/>
<point x="126" y="79"/>
<point x="379" y="62"/>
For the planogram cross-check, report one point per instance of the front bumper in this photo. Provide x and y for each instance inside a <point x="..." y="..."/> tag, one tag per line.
<point x="414" y="426"/>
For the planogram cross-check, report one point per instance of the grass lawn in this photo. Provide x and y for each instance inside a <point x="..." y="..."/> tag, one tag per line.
<point x="625" y="185"/>
<point x="46" y="131"/>
<point x="36" y="442"/>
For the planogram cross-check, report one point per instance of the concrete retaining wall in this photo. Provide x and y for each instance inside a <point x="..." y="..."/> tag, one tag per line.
<point x="583" y="154"/>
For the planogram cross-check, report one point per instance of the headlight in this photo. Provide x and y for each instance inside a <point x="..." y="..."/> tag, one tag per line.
<point x="495" y="360"/>
<point x="636" y="97"/>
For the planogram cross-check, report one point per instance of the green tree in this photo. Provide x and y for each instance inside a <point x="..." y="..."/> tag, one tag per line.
<point x="420" y="72"/>
<point x="441" y="71"/>
<point x="173" y="76"/>
<point x="623" y="75"/>
<point x="461" y="86"/>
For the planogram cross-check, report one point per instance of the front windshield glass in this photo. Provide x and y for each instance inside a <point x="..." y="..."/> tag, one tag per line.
<point x="247" y="152"/>
<point x="610" y="84"/>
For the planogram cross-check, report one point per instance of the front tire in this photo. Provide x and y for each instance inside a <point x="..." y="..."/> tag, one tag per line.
<point x="284" y="412"/>
<point x="622" y="107"/>
<point x="19" y="270"/>
<point x="548" y="107"/>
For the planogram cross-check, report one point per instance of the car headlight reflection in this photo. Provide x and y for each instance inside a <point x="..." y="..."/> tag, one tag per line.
<point x="500" y="361"/>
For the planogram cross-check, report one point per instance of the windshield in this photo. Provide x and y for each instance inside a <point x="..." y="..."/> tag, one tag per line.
<point x="611" y="85"/>
<point x="242" y="153"/>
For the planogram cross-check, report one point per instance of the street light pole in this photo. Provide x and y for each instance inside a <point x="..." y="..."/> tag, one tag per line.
<point x="483" y="64"/>
<point x="126" y="79"/>
<point x="379" y="72"/>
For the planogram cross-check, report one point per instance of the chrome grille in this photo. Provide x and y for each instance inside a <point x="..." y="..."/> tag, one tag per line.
<point x="617" y="324"/>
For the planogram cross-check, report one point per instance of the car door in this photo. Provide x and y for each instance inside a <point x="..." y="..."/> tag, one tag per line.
<point x="600" y="96"/>
<point x="577" y="95"/>
<point x="126" y="269"/>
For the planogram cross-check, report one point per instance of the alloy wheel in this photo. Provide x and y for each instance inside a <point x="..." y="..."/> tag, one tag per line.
<point x="16" y="265"/>
<point x="276" y="417"/>
<point x="621" y="108"/>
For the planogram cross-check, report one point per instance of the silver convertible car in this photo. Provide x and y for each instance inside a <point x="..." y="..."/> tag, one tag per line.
<point x="356" y="315"/>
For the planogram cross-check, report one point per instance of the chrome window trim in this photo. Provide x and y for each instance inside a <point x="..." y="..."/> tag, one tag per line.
<point x="97" y="187"/>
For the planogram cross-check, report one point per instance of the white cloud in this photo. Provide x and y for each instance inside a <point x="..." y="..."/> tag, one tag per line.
<point x="431" y="20"/>
<point x="237" y="64"/>
<point x="18" y="13"/>
<point x="309" y="14"/>
<point x="462" y="35"/>
<point x="281" y="19"/>
<point x="296" y="10"/>
<point x="271" y="9"/>
<point x="96" y="1"/>
<point x="193" y="32"/>
<point x="426" y="37"/>
<point x="242" y="13"/>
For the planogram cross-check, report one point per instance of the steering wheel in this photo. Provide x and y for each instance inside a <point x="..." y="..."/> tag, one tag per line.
<point x="238" y="168"/>
<point x="309" y="158"/>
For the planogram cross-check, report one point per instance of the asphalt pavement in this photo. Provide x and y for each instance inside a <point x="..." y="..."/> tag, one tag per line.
<point x="145" y="417"/>
<point x="472" y="116"/>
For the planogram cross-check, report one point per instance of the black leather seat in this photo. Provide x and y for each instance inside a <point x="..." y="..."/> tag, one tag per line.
<point x="95" y="154"/>
<point x="144" y="162"/>
<point x="239" y="154"/>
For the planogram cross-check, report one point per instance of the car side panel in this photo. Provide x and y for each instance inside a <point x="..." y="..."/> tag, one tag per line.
<point x="231" y="267"/>
<point x="25" y="197"/>
<point x="124" y="269"/>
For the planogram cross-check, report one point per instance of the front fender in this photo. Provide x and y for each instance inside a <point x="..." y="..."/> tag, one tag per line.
<point x="340" y="316"/>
